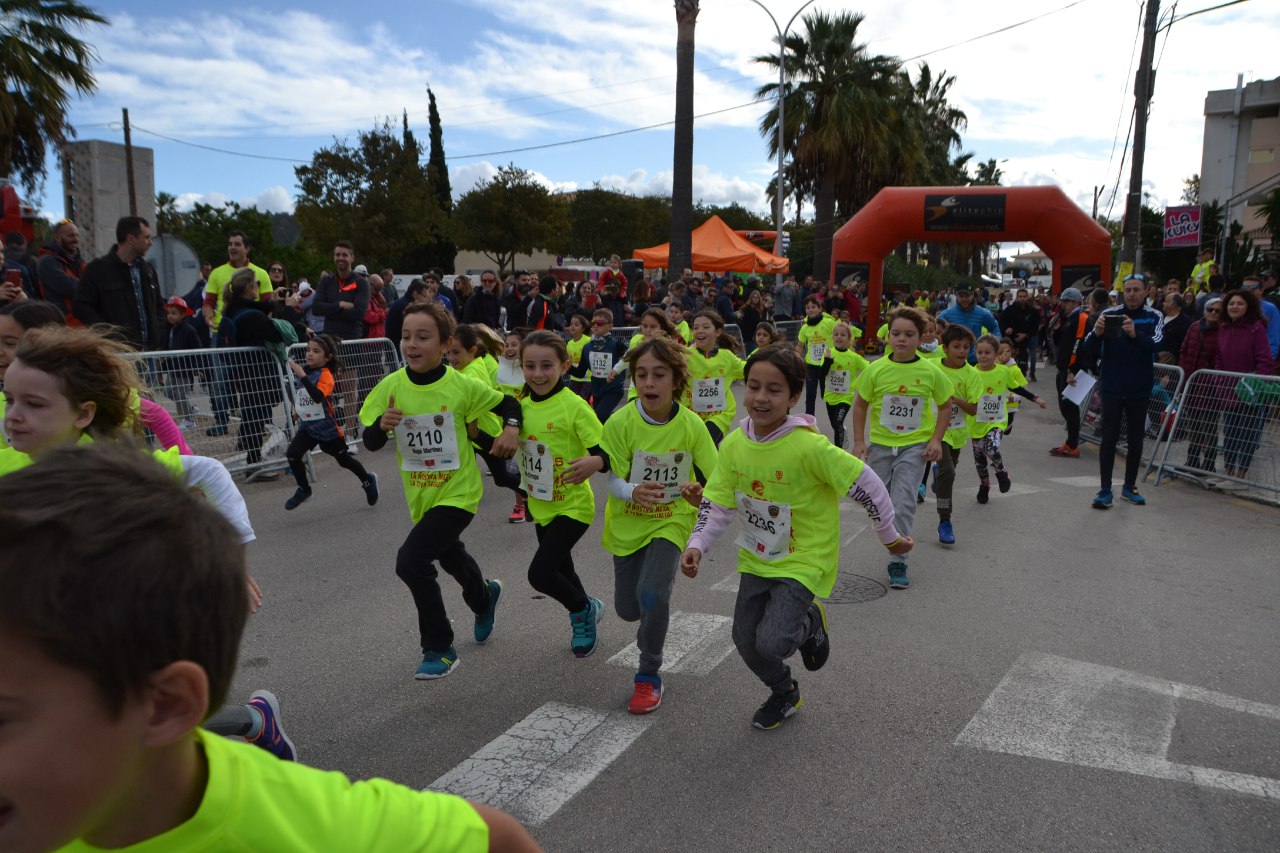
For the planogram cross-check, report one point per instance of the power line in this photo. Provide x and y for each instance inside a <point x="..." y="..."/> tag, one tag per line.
<point x="220" y="150"/>
<point x="1173" y="21"/>
<point x="1124" y="92"/>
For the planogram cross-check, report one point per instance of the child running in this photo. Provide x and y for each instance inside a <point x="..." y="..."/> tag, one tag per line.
<point x="660" y="453"/>
<point x="962" y="375"/>
<point x="897" y="391"/>
<point x="653" y="324"/>
<point x="510" y="378"/>
<point x="766" y="334"/>
<point x="600" y="358"/>
<point x="1008" y="356"/>
<point x="318" y="427"/>
<point x="987" y="423"/>
<point x="783" y="480"/>
<point x="426" y="407"/>
<point x="682" y="332"/>
<point x="578" y="325"/>
<point x="556" y="463"/>
<point x="840" y="371"/>
<point x="713" y="365"/>
<point x="815" y="341"/>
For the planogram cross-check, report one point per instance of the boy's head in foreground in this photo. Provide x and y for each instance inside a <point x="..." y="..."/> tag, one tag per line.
<point x="124" y="602"/>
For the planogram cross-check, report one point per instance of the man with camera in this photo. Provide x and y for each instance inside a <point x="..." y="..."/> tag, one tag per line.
<point x="1125" y="339"/>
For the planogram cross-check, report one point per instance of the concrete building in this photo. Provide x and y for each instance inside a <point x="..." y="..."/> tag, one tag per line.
<point x="96" y="184"/>
<point x="1241" y="160"/>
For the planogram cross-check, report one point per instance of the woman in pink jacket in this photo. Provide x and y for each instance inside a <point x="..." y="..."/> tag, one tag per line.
<point x="1242" y="348"/>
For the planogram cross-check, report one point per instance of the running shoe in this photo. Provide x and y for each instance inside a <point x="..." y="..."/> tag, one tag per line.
<point x="298" y="497"/>
<point x="647" y="696"/>
<point x="271" y="736"/>
<point x="933" y="486"/>
<point x="920" y="494"/>
<point x="946" y="535"/>
<point x="815" y="650"/>
<point x="984" y="490"/>
<point x="1065" y="451"/>
<point x="519" y="514"/>
<point x="777" y="708"/>
<point x="898" y="576"/>
<point x="1130" y="494"/>
<point x="484" y="622"/>
<point x="1103" y="499"/>
<point x="370" y="487"/>
<point x="1002" y="478"/>
<point x="584" y="627"/>
<point x="437" y="665"/>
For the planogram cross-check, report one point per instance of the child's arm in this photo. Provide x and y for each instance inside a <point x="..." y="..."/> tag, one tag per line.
<point x="508" y="409"/>
<point x="868" y="492"/>
<point x="579" y="470"/>
<point x="1027" y="395"/>
<point x="159" y="421"/>
<point x="211" y="477"/>
<point x="964" y="405"/>
<point x="506" y="835"/>
<point x="376" y="439"/>
<point x="860" y="407"/>
<point x="713" y="519"/>
<point x="826" y="367"/>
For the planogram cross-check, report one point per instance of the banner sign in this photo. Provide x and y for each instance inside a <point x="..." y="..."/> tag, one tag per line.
<point x="849" y="273"/>
<point x="1083" y="277"/>
<point x="1182" y="226"/>
<point x="983" y="212"/>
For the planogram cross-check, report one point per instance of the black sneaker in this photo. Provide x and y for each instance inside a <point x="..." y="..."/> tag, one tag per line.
<point x="777" y="708"/>
<point x="298" y="497"/>
<point x="815" y="650"/>
<point x="1003" y="479"/>
<point x="370" y="487"/>
<point x="984" y="490"/>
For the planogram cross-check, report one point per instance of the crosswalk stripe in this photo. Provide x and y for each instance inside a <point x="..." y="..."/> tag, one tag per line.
<point x="539" y="764"/>
<point x="729" y="584"/>
<point x="696" y="643"/>
<point x="1079" y="482"/>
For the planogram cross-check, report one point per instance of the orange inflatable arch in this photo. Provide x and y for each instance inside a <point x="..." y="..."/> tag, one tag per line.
<point x="1079" y="247"/>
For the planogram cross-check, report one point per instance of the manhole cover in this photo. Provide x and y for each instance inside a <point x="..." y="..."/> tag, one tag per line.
<point x="855" y="589"/>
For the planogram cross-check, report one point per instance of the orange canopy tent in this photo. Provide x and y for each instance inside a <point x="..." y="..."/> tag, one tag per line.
<point x="717" y="248"/>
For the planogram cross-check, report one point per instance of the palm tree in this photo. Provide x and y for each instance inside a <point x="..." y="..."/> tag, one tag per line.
<point x="839" y="118"/>
<point x="681" y="253"/>
<point x="41" y="63"/>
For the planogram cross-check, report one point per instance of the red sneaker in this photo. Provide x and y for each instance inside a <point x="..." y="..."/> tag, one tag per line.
<point x="647" y="696"/>
<point x="519" y="514"/>
<point x="1064" y="450"/>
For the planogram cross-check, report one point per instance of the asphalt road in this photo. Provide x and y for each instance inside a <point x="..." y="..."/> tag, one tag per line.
<point x="1062" y="678"/>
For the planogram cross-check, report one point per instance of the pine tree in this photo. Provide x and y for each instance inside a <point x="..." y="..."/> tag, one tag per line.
<point x="438" y="174"/>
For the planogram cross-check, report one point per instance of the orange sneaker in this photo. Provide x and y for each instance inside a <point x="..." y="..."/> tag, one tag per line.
<point x="1064" y="450"/>
<point x="519" y="514"/>
<point x="647" y="696"/>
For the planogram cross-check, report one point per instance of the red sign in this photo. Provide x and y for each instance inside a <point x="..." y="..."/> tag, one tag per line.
<point x="1182" y="226"/>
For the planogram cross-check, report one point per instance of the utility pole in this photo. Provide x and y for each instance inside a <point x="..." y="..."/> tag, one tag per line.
<point x="128" y="165"/>
<point x="1097" y="193"/>
<point x="1142" y="87"/>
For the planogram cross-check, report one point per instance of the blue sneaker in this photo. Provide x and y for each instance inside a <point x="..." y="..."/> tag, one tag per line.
<point x="584" y="627"/>
<point x="920" y="494"/>
<point x="946" y="535"/>
<point x="436" y="665"/>
<point x="271" y="736"/>
<point x="484" y="622"/>
<point x="933" y="485"/>
<point x="1130" y="494"/>
<point x="898" y="576"/>
<point x="1103" y="499"/>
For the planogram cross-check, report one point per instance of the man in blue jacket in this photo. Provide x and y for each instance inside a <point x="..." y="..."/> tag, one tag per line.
<point x="1125" y="338"/>
<point x="973" y="317"/>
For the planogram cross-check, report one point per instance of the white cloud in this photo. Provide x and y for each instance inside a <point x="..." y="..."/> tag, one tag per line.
<point x="273" y="199"/>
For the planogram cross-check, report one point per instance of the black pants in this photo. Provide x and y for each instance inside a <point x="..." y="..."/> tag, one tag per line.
<point x="304" y="442"/>
<point x="436" y="538"/>
<point x="504" y="474"/>
<point x="836" y="414"/>
<point x="551" y="572"/>
<point x="1070" y="412"/>
<point x="1134" y="413"/>
<point x="716" y="435"/>
<point x="813" y="383"/>
<point x="605" y="403"/>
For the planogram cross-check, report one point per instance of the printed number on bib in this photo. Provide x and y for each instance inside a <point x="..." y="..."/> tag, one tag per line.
<point x="428" y="443"/>
<point x="708" y="394"/>
<point x="765" y="528"/>
<point x="308" y="409"/>
<point x="901" y="414"/>
<point x="668" y="470"/>
<point x="817" y="352"/>
<point x="601" y="364"/>
<point x="838" y="382"/>
<point x="957" y="418"/>
<point x="990" y="408"/>
<point x="537" y="470"/>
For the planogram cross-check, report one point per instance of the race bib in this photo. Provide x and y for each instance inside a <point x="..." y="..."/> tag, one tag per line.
<point x="765" y="528"/>
<point x="708" y="394"/>
<point x="817" y="352"/>
<point x="839" y="381"/>
<point x="308" y="409"/>
<point x="901" y="414"/>
<point x="991" y="408"/>
<point x="668" y="470"/>
<point x="601" y="364"/>
<point x="537" y="470"/>
<point x="957" y="418"/>
<point x="428" y="443"/>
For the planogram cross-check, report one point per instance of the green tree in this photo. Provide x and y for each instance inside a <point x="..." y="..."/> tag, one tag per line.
<point x="1191" y="189"/>
<point x="168" y="219"/>
<point x="734" y="215"/>
<point x="1270" y="211"/>
<point x="510" y="214"/>
<point x="444" y="250"/>
<point x="42" y="61"/>
<point x="601" y="222"/>
<point x="682" y="159"/>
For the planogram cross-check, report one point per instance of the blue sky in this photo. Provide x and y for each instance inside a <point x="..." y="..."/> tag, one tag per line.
<point x="280" y="80"/>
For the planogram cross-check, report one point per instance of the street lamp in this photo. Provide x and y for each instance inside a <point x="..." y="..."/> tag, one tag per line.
<point x="782" y="81"/>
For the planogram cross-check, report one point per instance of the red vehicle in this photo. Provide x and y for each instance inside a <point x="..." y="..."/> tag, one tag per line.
<point x="16" y="215"/>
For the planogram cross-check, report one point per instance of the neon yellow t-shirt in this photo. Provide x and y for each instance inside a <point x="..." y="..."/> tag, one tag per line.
<point x="993" y="392"/>
<point x="220" y="277"/>
<point x="801" y="472"/>
<point x="816" y="339"/>
<point x="932" y="355"/>
<point x="964" y="382"/>
<point x="723" y="365"/>
<point x="635" y="341"/>
<point x="629" y="526"/>
<point x="575" y="356"/>
<point x="15" y="460"/>
<point x="254" y="801"/>
<point x="1017" y="379"/>
<point x="883" y="332"/>
<point x="477" y="369"/>
<point x="682" y="329"/>
<point x="4" y="436"/>
<point x="443" y="478"/>
<point x="557" y="430"/>
<point x="843" y="362"/>
<point x="898" y="397"/>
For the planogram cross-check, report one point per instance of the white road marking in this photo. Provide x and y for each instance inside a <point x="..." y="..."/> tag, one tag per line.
<point x="1075" y="712"/>
<point x="858" y="529"/>
<point x="696" y="643"/>
<point x="729" y="584"/>
<point x="1079" y="482"/>
<point x="543" y="761"/>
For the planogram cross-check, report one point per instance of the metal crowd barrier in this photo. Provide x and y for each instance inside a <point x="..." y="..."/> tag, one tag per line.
<point x="1227" y="430"/>
<point x="789" y="329"/>
<point x="364" y="363"/>
<point x="1161" y="408"/>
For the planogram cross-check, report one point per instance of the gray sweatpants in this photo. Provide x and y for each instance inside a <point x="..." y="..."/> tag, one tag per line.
<point x="901" y="469"/>
<point x="772" y="618"/>
<point x="642" y="593"/>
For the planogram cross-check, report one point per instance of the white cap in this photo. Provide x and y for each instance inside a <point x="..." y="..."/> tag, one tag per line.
<point x="304" y="287"/>
<point x="362" y="269"/>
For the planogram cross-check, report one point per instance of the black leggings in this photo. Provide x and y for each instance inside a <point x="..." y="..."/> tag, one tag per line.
<point x="551" y="572"/>
<point x="1134" y="413"/>
<point x="304" y="442"/>
<point x="813" y="383"/>
<point x="436" y="538"/>
<point x="503" y="474"/>
<point x="1070" y="412"/>
<point x="836" y="414"/>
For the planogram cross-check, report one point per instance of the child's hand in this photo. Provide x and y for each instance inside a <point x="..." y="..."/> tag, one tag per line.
<point x="933" y="451"/>
<point x="1041" y="402"/>
<point x="392" y="417"/>
<point x="647" y="494"/>
<point x="692" y="492"/>
<point x="902" y="546"/>
<point x="505" y="445"/>
<point x="297" y="369"/>
<point x="860" y="449"/>
<point x="255" y="594"/>
<point x="579" y="470"/>
<point x="689" y="562"/>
